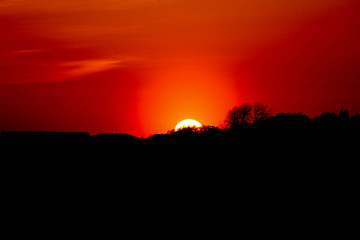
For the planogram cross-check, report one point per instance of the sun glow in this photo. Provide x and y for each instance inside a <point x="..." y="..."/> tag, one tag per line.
<point x="187" y="123"/>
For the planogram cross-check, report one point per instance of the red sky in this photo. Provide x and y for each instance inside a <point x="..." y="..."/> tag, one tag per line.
<point x="141" y="66"/>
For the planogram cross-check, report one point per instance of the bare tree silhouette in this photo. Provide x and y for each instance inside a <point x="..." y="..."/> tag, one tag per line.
<point x="344" y="115"/>
<point x="261" y="111"/>
<point x="239" y="115"/>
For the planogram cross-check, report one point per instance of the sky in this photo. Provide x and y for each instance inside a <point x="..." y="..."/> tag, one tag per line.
<point x="141" y="66"/>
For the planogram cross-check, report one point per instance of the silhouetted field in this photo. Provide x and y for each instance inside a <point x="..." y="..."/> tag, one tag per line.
<point x="285" y="137"/>
<point x="287" y="170"/>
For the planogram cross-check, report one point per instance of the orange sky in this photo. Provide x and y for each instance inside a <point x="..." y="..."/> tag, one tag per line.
<point x="141" y="66"/>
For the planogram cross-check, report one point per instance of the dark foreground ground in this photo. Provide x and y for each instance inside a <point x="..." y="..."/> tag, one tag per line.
<point x="265" y="149"/>
<point x="283" y="180"/>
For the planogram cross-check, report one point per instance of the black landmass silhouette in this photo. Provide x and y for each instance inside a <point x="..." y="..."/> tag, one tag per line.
<point x="288" y="175"/>
<point x="280" y="137"/>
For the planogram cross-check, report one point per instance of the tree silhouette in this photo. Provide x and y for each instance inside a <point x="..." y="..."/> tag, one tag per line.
<point x="285" y="118"/>
<point x="327" y="116"/>
<point x="356" y="117"/>
<point x="261" y="111"/>
<point x="344" y="115"/>
<point x="239" y="115"/>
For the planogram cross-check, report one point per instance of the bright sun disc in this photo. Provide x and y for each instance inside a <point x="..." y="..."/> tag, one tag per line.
<point x="187" y="123"/>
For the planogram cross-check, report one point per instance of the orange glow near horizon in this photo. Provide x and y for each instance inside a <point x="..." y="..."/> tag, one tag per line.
<point x="197" y="92"/>
<point x="140" y="66"/>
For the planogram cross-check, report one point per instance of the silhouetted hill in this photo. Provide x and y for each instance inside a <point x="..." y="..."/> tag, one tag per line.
<point x="284" y="137"/>
<point x="280" y="136"/>
<point x="43" y="136"/>
<point x="287" y="167"/>
<point x="121" y="138"/>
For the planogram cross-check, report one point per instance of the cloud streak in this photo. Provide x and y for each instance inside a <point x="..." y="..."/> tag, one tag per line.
<point x="71" y="5"/>
<point x="34" y="70"/>
<point x="89" y="66"/>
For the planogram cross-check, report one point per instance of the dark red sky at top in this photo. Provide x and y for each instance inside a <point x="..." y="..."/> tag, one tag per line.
<point x="141" y="66"/>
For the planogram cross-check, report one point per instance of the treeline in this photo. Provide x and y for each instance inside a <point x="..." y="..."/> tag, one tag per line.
<point x="260" y="115"/>
<point x="247" y="113"/>
<point x="253" y="132"/>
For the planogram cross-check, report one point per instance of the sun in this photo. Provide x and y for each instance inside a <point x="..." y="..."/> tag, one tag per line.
<point x="187" y="123"/>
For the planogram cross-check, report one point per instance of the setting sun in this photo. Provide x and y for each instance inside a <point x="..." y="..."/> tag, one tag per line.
<point x="141" y="66"/>
<point x="187" y="123"/>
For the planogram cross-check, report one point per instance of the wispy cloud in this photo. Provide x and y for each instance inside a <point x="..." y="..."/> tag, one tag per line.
<point x="6" y="3"/>
<point x="71" y="5"/>
<point x="39" y="71"/>
<point x="26" y="51"/>
<point x="90" y="66"/>
<point x="83" y="67"/>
